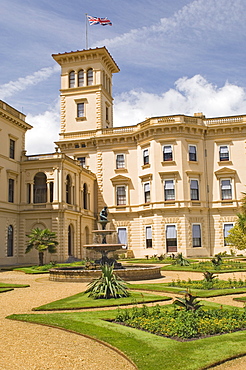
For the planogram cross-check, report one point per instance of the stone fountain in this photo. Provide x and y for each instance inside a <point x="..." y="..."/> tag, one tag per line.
<point x="100" y="245"/>
<point x="100" y="242"/>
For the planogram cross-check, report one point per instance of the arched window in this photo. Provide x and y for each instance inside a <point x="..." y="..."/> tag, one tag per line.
<point x="10" y="241"/>
<point x="90" y="77"/>
<point x="85" y="196"/>
<point x="40" y="188"/>
<point x="70" y="240"/>
<point x="81" y="78"/>
<point x="72" y="79"/>
<point x="68" y="190"/>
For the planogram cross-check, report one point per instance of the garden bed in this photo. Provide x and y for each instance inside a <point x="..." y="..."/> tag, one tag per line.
<point x="181" y="324"/>
<point x="148" y="351"/>
<point x="200" y="288"/>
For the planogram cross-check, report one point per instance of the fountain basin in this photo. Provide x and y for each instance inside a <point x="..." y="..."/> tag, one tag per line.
<point x="127" y="273"/>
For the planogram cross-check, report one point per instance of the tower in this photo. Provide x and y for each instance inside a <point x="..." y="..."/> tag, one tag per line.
<point x="86" y="90"/>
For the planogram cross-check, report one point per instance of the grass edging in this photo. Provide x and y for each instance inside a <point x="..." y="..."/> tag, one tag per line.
<point x="82" y="301"/>
<point x="155" y="350"/>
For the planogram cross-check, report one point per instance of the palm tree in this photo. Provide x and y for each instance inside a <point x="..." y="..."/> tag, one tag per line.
<point x="42" y="240"/>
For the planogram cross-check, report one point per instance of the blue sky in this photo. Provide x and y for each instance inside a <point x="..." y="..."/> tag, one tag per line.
<point x="179" y="56"/>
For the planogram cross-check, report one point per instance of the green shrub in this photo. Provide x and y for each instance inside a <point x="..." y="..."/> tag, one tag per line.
<point x="182" y="323"/>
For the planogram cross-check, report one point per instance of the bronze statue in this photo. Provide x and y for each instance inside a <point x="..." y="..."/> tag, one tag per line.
<point x="104" y="214"/>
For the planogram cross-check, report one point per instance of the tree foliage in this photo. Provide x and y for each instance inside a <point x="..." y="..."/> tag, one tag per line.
<point x="42" y="240"/>
<point x="237" y="235"/>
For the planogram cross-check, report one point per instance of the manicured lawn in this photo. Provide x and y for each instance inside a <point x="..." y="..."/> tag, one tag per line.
<point x="152" y="261"/>
<point x="2" y="290"/>
<point x="45" y="268"/>
<point x="240" y="299"/>
<point x="4" y="287"/>
<point x="147" y="351"/>
<point x="164" y="287"/>
<point x="81" y="300"/>
<point x="227" y="265"/>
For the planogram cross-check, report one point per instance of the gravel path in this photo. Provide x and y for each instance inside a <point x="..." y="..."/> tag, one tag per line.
<point x="28" y="346"/>
<point x="34" y="347"/>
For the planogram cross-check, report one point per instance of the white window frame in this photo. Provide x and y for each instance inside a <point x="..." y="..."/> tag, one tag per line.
<point x="176" y="232"/>
<point x="71" y="81"/>
<point x="117" y="162"/>
<point x="82" y="161"/>
<point x="198" y="189"/>
<point x="146" y="150"/>
<point x="81" y="79"/>
<point x="165" y="189"/>
<point x="148" y="245"/>
<point x="147" y="193"/>
<point x="228" y="151"/>
<point x="224" y="236"/>
<point x="117" y="199"/>
<point x="192" y="160"/>
<point x="231" y="188"/>
<point x="126" y="231"/>
<point x="193" y="237"/>
<point x="163" y="152"/>
<point x="80" y="112"/>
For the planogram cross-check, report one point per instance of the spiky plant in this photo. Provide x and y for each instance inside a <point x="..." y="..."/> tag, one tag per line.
<point x="181" y="261"/>
<point x="209" y="276"/>
<point x="108" y="285"/>
<point x="189" y="302"/>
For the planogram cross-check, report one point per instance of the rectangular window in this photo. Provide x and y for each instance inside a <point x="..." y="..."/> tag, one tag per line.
<point x="148" y="233"/>
<point x="80" y="109"/>
<point x="192" y="153"/>
<point x="226" y="189"/>
<point x="196" y="236"/>
<point x="194" y="190"/>
<point x="122" y="236"/>
<point x="81" y="161"/>
<point x="167" y="153"/>
<point x="12" y="149"/>
<point x="121" y="195"/>
<point x="171" y="238"/>
<point x="107" y="114"/>
<point x="227" y="228"/>
<point x="28" y="193"/>
<point x="11" y="191"/>
<point x="147" y="192"/>
<point x="146" y="156"/>
<point x="120" y="161"/>
<point x="169" y="190"/>
<point x="224" y="153"/>
<point x="51" y="192"/>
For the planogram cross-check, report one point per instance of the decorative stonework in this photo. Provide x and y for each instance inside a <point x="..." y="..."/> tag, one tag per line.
<point x="63" y="114"/>
<point x="98" y="110"/>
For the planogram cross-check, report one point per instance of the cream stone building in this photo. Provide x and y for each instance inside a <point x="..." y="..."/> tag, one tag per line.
<point x="171" y="183"/>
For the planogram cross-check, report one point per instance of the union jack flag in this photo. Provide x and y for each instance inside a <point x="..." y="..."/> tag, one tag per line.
<point x="95" y="20"/>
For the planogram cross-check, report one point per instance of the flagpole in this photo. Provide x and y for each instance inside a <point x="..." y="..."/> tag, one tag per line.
<point x="86" y="31"/>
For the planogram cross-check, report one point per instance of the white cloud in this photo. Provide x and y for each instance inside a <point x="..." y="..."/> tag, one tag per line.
<point x="23" y="83"/>
<point x="190" y="95"/>
<point x="201" y="16"/>
<point x="40" y="139"/>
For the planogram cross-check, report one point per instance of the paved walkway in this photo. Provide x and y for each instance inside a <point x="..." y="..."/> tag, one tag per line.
<point x="34" y="347"/>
